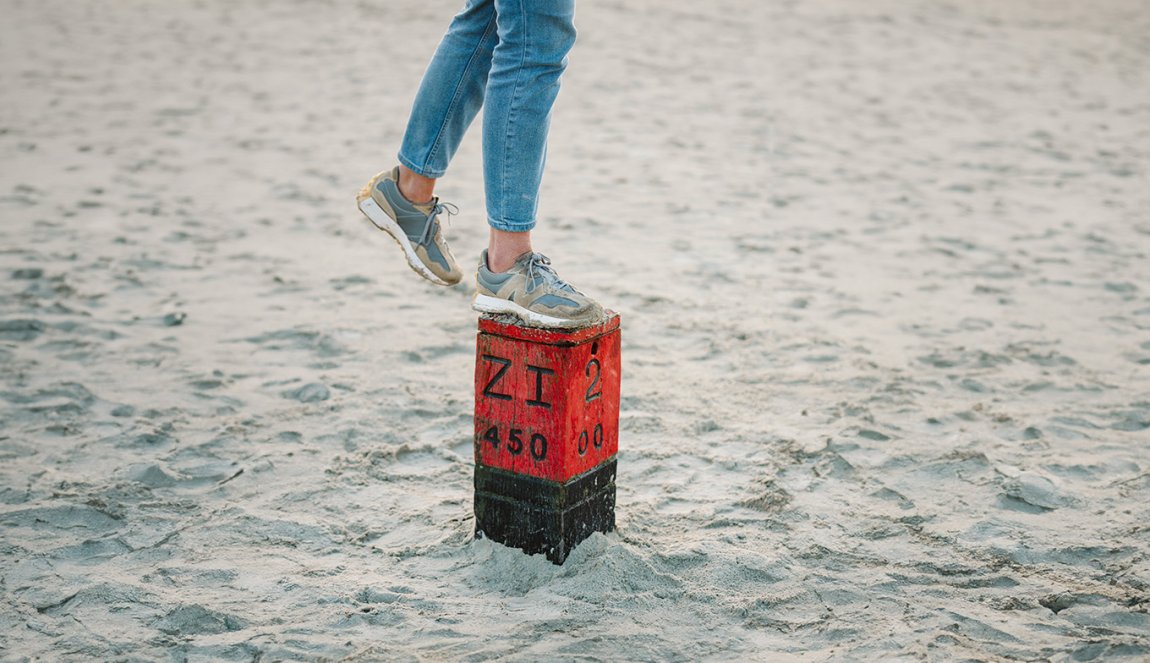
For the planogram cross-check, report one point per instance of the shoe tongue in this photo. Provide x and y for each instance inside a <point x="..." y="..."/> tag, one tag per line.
<point x="546" y="273"/>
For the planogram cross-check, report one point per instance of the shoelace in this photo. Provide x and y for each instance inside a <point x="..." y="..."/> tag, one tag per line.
<point x="540" y="266"/>
<point x="436" y="209"/>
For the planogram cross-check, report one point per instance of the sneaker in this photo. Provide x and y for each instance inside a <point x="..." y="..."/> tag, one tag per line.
<point x="533" y="292"/>
<point x="415" y="227"/>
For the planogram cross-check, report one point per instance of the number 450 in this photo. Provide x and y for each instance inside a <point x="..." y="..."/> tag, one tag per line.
<point x="538" y="443"/>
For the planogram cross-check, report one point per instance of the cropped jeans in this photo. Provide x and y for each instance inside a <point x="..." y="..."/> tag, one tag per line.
<point x="505" y="56"/>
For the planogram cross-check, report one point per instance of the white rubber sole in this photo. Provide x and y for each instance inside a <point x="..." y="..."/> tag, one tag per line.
<point x="381" y="220"/>
<point x="489" y="304"/>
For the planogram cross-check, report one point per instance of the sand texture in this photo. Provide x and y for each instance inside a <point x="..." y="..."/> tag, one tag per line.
<point x="884" y="275"/>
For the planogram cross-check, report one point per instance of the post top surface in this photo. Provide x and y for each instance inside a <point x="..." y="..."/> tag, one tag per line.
<point x="508" y="327"/>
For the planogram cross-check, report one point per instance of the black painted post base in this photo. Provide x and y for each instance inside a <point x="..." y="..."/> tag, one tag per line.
<point x="541" y="516"/>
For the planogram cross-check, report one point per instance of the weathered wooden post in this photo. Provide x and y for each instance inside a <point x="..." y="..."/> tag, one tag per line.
<point x="546" y="434"/>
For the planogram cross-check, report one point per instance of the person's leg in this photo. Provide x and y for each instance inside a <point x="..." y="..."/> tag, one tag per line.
<point x="448" y="99"/>
<point x="534" y="39"/>
<point x="401" y="201"/>
<point x="504" y="247"/>
<point x="415" y="187"/>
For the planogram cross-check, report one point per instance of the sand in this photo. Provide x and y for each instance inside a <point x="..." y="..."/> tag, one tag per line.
<point x="883" y="271"/>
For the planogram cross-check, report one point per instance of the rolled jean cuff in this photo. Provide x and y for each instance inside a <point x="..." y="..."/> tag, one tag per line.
<point x="511" y="226"/>
<point x="419" y="170"/>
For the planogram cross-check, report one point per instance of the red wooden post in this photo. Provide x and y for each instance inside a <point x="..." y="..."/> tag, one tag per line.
<point x="546" y="434"/>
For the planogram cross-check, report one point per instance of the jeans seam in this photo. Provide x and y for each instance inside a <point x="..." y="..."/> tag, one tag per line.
<point x="511" y="110"/>
<point x="511" y="226"/>
<point x="456" y="96"/>
<point x="419" y="170"/>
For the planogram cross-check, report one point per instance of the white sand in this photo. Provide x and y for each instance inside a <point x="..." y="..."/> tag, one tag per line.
<point x="884" y="275"/>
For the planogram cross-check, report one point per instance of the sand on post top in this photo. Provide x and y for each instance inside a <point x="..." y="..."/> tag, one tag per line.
<point x="886" y="363"/>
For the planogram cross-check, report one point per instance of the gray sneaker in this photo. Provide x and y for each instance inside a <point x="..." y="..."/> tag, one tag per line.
<point x="415" y="227"/>
<point x="533" y="292"/>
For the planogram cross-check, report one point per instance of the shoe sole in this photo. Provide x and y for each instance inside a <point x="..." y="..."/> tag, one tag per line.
<point x="488" y="304"/>
<point x="382" y="221"/>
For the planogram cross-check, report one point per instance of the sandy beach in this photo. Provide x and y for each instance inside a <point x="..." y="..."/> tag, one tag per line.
<point x="884" y="276"/>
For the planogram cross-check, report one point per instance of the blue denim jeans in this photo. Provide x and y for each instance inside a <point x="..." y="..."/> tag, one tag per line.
<point x="506" y="56"/>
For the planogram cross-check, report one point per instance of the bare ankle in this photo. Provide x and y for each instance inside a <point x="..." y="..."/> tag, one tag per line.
<point x="414" y="187"/>
<point x="504" y="248"/>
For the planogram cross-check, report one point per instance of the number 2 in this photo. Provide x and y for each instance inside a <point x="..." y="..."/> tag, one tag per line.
<point x="592" y="394"/>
